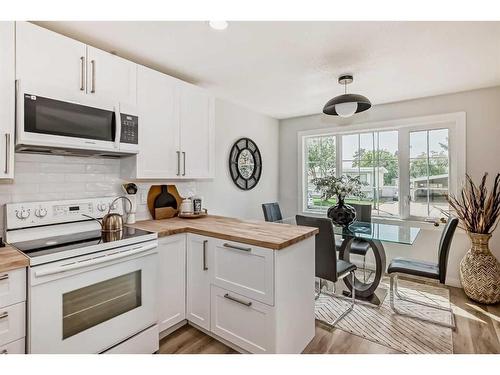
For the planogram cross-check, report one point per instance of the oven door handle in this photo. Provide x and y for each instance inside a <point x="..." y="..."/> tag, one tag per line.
<point x="118" y="126"/>
<point x="96" y="261"/>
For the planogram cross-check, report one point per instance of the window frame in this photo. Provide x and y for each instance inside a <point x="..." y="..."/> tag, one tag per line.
<point x="455" y="123"/>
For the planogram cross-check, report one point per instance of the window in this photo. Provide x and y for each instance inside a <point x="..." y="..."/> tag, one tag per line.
<point x="407" y="166"/>
<point x="320" y="162"/>
<point x="429" y="172"/>
<point x="373" y="157"/>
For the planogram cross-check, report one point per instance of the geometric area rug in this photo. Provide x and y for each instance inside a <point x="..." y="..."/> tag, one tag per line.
<point x="381" y="325"/>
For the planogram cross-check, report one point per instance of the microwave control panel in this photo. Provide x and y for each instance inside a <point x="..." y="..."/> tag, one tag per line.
<point x="130" y="129"/>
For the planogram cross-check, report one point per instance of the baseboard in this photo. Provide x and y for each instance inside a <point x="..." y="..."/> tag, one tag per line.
<point x="175" y="327"/>
<point x="218" y="338"/>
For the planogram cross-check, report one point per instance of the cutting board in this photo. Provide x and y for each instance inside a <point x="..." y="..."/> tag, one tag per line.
<point x="154" y="191"/>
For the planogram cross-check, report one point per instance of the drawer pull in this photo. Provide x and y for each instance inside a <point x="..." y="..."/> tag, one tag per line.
<point x="247" y="304"/>
<point x="237" y="247"/>
<point x="4" y="315"/>
<point x="4" y="351"/>
<point x="205" y="268"/>
<point x="4" y="277"/>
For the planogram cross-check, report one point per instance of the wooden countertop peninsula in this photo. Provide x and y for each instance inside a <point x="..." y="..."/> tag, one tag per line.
<point x="11" y="258"/>
<point x="252" y="232"/>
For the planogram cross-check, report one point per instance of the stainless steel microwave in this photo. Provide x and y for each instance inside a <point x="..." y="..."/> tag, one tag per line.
<point x="51" y="123"/>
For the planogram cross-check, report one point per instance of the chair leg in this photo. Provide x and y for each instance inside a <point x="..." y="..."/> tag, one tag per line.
<point x="395" y="293"/>
<point x="331" y="325"/>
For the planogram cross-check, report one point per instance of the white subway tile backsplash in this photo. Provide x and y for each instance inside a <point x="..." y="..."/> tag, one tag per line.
<point x="62" y="168"/>
<point x="52" y="177"/>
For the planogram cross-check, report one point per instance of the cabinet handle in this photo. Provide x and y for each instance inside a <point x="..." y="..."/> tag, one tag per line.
<point x="247" y="304"/>
<point x="7" y="153"/>
<point x="4" y="277"/>
<point x="4" y="315"/>
<point x="178" y="163"/>
<point x="237" y="247"/>
<point x="184" y="159"/>
<point x="92" y="83"/>
<point x="205" y="255"/>
<point x="82" y="73"/>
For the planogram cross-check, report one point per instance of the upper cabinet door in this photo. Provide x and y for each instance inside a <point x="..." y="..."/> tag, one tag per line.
<point x="196" y="119"/>
<point x="110" y="77"/>
<point x="50" y="61"/>
<point x="158" y="125"/>
<point x="7" y="99"/>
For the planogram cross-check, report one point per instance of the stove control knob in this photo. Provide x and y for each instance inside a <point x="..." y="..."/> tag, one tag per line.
<point x="23" y="214"/>
<point x="40" y="212"/>
<point x="102" y="207"/>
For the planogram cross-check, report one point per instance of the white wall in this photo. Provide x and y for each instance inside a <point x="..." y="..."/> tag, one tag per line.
<point x="50" y="177"/>
<point x="222" y="195"/>
<point x="482" y="109"/>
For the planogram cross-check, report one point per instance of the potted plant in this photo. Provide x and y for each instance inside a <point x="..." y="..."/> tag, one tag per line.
<point x="478" y="211"/>
<point x="340" y="187"/>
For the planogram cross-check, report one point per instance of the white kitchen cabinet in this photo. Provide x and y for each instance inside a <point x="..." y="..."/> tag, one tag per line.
<point x="110" y="77"/>
<point x="176" y="130"/>
<point x="244" y="269"/>
<point x="242" y="321"/>
<point x="198" y="280"/>
<point x="7" y="99"/>
<point x="66" y="69"/>
<point x="50" y="62"/>
<point x="196" y="119"/>
<point x="171" y="280"/>
<point x="159" y="136"/>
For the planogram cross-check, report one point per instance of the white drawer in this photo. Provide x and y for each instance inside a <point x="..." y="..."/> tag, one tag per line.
<point x="16" y="347"/>
<point x="12" y="323"/>
<point x="12" y="287"/>
<point x="244" y="269"/>
<point x="242" y="321"/>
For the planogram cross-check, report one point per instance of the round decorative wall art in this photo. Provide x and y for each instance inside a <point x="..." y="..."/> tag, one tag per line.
<point x="245" y="163"/>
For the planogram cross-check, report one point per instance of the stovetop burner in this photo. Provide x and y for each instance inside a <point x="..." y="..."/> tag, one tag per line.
<point x="51" y="245"/>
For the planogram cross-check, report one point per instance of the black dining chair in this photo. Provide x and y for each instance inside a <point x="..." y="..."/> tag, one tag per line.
<point x="328" y="267"/>
<point x="272" y="212"/>
<point x="424" y="269"/>
<point x="358" y="245"/>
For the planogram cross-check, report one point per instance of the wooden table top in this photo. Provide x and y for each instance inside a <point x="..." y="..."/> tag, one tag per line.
<point x="252" y="232"/>
<point x="11" y="258"/>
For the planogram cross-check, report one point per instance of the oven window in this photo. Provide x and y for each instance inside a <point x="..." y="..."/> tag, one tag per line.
<point x="91" y="305"/>
<point x="55" y="117"/>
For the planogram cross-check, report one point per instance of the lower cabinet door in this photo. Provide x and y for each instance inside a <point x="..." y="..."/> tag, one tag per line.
<point x="12" y="322"/>
<point x="242" y="321"/>
<point x="198" y="280"/>
<point x="171" y="280"/>
<point x="15" y="347"/>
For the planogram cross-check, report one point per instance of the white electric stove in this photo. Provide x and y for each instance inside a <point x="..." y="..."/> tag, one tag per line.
<point x="86" y="293"/>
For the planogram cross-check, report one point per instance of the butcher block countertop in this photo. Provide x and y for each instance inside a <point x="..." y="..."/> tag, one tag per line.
<point x="11" y="258"/>
<point x="252" y="232"/>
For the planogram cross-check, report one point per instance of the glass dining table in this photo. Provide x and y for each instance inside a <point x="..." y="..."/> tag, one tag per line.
<point x="375" y="234"/>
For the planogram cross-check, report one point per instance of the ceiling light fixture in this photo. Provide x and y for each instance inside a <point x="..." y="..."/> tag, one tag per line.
<point x="218" y="25"/>
<point x="346" y="105"/>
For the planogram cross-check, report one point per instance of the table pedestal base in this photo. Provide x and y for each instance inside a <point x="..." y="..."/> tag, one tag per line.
<point x="376" y="299"/>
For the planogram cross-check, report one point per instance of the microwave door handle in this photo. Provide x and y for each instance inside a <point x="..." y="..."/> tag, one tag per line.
<point x="96" y="261"/>
<point x="118" y="126"/>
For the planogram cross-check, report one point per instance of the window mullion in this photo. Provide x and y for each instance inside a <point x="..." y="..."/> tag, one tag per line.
<point x="404" y="172"/>
<point x="338" y="155"/>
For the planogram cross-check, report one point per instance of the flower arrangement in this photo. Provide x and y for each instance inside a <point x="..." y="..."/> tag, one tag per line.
<point x="477" y="210"/>
<point x="340" y="187"/>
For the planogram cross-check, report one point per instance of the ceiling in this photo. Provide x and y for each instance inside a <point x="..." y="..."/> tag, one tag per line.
<point x="287" y="69"/>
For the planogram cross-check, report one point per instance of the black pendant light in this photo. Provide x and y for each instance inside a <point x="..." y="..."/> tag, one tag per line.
<point x="347" y="104"/>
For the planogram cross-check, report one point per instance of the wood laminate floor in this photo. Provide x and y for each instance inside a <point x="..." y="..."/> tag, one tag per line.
<point x="478" y="331"/>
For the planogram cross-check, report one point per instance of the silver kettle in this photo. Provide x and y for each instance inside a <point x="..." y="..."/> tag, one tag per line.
<point x="111" y="222"/>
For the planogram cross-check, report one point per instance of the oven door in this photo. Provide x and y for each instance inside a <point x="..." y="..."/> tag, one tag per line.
<point x="91" y="303"/>
<point x="46" y="119"/>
